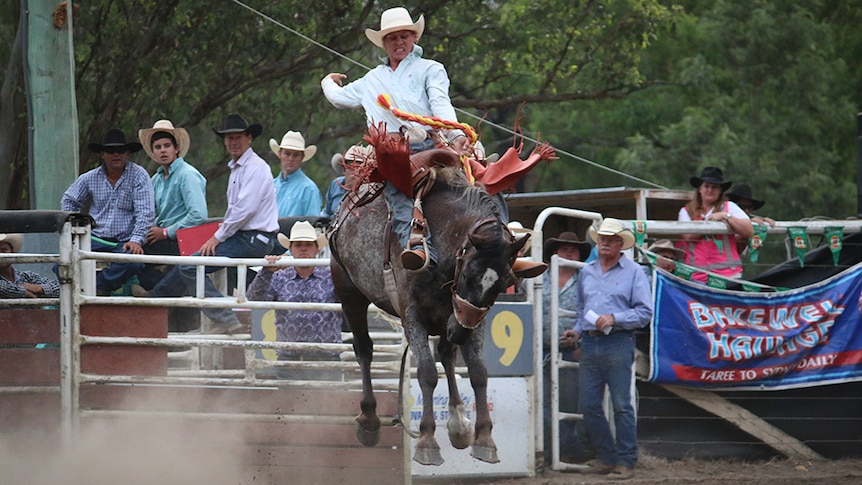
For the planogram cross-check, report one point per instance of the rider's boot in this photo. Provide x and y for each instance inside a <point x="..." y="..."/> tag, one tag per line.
<point x="413" y="259"/>
<point x="524" y="268"/>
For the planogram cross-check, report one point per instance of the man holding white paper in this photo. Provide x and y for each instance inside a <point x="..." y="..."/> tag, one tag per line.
<point x="614" y="299"/>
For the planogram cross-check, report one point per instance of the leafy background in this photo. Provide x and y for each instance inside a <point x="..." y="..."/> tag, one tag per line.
<point x="766" y="89"/>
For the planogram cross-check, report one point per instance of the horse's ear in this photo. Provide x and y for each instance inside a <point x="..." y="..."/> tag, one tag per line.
<point x="518" y="244"/>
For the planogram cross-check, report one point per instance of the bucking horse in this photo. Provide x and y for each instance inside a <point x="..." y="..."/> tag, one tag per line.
<point x="451" y="299"/>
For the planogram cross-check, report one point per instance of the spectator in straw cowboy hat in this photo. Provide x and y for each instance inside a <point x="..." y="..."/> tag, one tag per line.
<point x="614" y="299"/>
<point x="180" y="193"/>
<point x="22" y="284"/>
<point x="121" y="203"/>
<point x="300" y="284"/>
<point x="346" y="165"/>
<point x="250" y="222"/>
<point x="296" y="194"/>
<point x="667" y="255"/>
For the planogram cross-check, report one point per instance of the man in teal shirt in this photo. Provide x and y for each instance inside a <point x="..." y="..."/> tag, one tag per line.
<point x="180" y="193"/>
<point x="295" y="193"/>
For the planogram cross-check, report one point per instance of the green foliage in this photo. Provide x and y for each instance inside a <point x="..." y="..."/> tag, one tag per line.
<point x="765" y="89"/>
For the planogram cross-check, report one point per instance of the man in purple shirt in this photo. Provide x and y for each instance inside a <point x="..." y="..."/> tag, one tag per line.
<point x="250" y="222"/>
<point x="614" y="299"/>
<point x="300" y="284"/>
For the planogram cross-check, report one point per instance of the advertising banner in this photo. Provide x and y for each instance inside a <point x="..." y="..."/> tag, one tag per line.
<point x="719" y="339"/>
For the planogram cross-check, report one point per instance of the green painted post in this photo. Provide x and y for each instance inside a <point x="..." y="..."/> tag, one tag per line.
<point x="53" y="108"/>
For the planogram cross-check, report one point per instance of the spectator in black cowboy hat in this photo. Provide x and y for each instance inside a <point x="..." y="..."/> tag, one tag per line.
<point x="250" y="222"/>
<point x="567" y="246"/>
<point x="741" y="195"/>
<point x="121" y="203"/>
<point x="717" y="254"/>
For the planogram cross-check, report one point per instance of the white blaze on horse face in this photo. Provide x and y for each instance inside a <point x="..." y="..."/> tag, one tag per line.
<point x="488" y="280"/>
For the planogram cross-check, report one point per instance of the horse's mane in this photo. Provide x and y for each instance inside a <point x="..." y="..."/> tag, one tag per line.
<point x="469" y="196"/>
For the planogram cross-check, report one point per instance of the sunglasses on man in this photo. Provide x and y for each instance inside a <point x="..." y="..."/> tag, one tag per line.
<point x="115" y="150"/>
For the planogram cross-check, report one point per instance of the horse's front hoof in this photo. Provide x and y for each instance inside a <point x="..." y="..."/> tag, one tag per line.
<point x="425" y="456"/>
<point x="459" y="427"/>
<point x="484" y="453"/>
<point x="461" y="441"/>
<point x="368" y="437"/>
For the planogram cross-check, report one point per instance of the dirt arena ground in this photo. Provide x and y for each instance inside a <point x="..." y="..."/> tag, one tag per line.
<point x="714" y="472"/>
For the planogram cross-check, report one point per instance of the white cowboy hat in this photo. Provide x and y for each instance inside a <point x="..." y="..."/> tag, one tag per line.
<point x="180" y="134"/>
<point x="517" y="228"/>
<point x="393" y="20"/>
<point x="355" y="153"/>
<point x="293" y="140"/>
<point x="613" y="227"/>
<point x="302" y="231"/>
<point x="14" y="240"/>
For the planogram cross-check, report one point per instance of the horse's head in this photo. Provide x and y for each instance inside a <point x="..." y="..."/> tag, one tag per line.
<point x="483" y="270"/>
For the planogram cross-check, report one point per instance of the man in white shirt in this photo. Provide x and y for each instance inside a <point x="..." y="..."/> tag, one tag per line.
<point x="415" y="85"/>
<point x="250" y="222"/>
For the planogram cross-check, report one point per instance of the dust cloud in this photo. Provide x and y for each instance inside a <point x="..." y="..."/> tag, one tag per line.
<point x="130" y="451"/>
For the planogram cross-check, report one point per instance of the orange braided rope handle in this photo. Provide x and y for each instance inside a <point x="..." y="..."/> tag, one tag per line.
<point x="385" y="101"/>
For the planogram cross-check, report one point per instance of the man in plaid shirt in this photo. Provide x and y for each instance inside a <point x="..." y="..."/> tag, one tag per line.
<point x="121" y="202"/>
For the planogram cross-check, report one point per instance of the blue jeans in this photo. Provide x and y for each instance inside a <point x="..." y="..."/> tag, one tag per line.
<point x="402" y="208"/>
<point x="608" y="360"/>
<point x="402" y="216"/>
<point x="180" y="280"/>
<point x="116" y="274"/>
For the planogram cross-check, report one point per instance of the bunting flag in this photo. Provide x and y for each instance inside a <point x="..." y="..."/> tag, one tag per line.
<point x="757" y="241"/>
<point x="684" y="271"/>
<point x="799" y="236"/>
<point x="640" y="232"/>
<point x="751" y="288"/>
<point x="714" y="281"/>
<point x="834" y="236"/>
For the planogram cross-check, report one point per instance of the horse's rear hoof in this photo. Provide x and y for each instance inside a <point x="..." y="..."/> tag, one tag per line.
<point x="484" y="453"/>
<point x="428" y="457"/>
<point x="367" y="437"/>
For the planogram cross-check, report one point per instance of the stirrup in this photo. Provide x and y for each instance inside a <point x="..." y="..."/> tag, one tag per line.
<point x="409" y="256"/>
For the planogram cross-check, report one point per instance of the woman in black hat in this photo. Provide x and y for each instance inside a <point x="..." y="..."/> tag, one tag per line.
<point x="716" y="254"/>
<point x="567" y="246"/>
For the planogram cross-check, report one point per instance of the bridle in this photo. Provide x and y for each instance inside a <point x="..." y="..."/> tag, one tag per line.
<point x="467" y="314"/>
